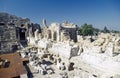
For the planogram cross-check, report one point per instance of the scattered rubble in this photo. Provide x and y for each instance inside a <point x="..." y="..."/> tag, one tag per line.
<point x="58" y="52"/>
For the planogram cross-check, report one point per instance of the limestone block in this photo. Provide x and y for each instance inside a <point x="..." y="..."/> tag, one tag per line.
<point x="36" y="34"/>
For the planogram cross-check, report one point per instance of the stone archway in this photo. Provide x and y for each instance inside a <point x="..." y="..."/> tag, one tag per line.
<point x="22" y="33"/>
<point x="55" y="36"/>
<point x="49" y="34"/>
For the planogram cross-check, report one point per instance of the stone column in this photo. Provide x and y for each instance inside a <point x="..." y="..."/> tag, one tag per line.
<point x="36" y="34"/>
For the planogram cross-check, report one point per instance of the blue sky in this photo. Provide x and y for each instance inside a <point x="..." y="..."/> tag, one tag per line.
<point x="99" y="13"/>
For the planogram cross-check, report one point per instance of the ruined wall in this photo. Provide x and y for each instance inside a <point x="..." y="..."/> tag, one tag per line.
<point x="60" y="32"/>
<point x="14" y="32"/>
<point x="7" y="38"/>
<point x="72" y="33"/>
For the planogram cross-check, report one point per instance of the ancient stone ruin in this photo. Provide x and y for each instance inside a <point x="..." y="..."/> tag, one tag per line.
<point x="14" y="32"/>
<point x="56" y="51"/>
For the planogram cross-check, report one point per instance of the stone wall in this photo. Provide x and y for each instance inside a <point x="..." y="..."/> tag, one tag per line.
<point x="7" y="38"/>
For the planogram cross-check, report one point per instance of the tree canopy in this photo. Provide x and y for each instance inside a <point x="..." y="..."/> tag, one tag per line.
<point x="86" y="29"/>
<point x="105" y="30"/>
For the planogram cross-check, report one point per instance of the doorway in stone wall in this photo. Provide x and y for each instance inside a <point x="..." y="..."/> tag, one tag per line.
<point x="49" y="34"/>
<point x="55" y="36"/>
<point x="22" y="34"/>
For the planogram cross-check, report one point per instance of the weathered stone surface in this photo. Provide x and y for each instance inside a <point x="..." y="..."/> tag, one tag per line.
<point x="57" y="32"/>
<point x="55" y="48"/>
<point x="14" y="32"/>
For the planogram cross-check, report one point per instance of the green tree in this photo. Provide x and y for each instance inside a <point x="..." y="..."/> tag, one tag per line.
<point x="96" y="31"/>
<point x="79" y="31"/>
<point x="105" y="30"/>
<point x="115" y="31"/>
<point x="87" y="29"/>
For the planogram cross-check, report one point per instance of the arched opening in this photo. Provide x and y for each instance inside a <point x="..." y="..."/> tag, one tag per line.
<point x="55" y="36"/>
<point x="70" y="67"/>
<point x="22" y="33"/>
<point x="49" y="34"/>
